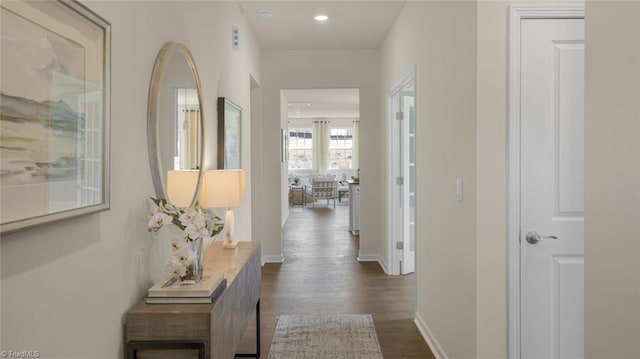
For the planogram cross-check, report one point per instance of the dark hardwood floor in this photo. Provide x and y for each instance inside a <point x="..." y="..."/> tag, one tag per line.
<point x="321" y="275"/>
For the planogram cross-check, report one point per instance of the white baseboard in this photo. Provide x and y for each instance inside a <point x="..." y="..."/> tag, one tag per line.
<point x="373" y="258"/>
<point x="272" y="259"/>
<point x="436" y="349"/>
<point x="383" y="264"/>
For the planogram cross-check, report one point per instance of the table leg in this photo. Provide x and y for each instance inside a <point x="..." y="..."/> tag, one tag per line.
<point x="257" y="353"/>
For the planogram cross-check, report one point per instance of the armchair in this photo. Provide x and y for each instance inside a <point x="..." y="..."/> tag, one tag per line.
<point x="321" y="188"/>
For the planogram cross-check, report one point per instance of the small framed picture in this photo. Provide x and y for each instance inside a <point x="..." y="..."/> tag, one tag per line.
<point x="229" y="134"/>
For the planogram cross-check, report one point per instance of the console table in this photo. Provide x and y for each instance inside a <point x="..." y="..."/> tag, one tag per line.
<point x="212" y="330"/>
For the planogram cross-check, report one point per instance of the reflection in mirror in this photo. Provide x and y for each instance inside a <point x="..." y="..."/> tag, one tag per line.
<point x="187" y="129"/>
<point x="175" y="124"/>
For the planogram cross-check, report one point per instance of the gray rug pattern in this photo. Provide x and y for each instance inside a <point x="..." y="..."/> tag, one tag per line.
<point x="344" y="336"/>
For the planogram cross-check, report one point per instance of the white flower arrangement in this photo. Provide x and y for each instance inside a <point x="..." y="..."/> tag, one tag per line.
<point x="195" y="222"/>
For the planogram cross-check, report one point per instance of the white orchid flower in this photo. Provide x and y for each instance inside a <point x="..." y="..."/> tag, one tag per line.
<point x="157" y="220"/>
<point x="195" y="222"/>
<point x="177" y="269"/>
<point x="177" y="244"/>
<point x="185" y="256"/>
<point x="192" y="231"/>
<point x="202" y="229"/>
<point x="197" y="229"/>
<point x="187" y="217"/>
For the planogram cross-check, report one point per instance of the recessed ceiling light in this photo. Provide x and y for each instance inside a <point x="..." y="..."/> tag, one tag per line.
<point x="298" y="111"/>
<point x="265" y="14"/>
<point x="321" y="18"/>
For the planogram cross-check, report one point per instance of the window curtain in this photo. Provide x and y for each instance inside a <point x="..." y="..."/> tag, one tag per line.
<point x="320" y="137"/>
<point x="191" y="139"/>
<point x="355" y="157"/>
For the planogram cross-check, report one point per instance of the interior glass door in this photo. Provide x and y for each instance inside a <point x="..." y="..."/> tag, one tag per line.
<point x="403" y="174"/>
<point x="408" y="168"/>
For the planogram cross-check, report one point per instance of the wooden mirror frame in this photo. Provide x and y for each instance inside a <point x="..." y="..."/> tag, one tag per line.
<point x="162" y="60"/>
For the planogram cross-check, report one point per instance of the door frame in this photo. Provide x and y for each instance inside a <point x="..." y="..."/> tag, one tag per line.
<point x="518" y="13"/>
<point x="409" y="75"/>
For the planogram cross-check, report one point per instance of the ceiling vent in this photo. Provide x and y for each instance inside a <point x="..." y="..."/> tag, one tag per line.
<point x="265" y="14"/>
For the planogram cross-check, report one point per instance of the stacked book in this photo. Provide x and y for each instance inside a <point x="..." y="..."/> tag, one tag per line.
<point x="169" y="290"/>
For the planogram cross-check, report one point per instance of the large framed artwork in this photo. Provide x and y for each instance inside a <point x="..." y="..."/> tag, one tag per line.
<point x="229" y="134"/>
<point x="54" y="112"/>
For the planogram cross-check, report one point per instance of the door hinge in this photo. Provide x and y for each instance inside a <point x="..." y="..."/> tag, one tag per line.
<point x="400" y="245"/>
<point x="399" y="180"/>
<point x="399" y="115"/>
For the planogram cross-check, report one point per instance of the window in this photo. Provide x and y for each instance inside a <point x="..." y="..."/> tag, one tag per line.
<point x="340" y="148"/>
<point x="300" y="148"/>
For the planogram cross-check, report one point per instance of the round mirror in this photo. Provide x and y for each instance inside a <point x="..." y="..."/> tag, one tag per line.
<point x="175" y="126"/>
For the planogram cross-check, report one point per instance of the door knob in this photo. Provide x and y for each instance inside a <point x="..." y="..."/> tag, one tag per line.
<point x="533" y="237"/>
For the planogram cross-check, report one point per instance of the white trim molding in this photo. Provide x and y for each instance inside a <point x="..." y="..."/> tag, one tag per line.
<point x="272" y="259"/>
<point x="373" y="258"/>
<point x="407" y="77"/>
<point x="435" y="347"/>
<point x="517" y="14"/>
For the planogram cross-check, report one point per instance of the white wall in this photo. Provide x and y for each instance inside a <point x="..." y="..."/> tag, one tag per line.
<point x="612" y="320"/>
<point x="492" y="154"/>
<point x="612" y="180"/>
<point x="328" y="70"/>
<point x="492" y="167"/>
<point x="256" y="159"/>
<point x="66" y="286"/>
<point x="440" y="38"/>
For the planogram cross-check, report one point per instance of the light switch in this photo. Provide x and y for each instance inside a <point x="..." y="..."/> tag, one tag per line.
<point x="459" y="190"/>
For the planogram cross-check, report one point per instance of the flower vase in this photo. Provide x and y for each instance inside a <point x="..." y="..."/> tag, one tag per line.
<point x="194" y="270"/>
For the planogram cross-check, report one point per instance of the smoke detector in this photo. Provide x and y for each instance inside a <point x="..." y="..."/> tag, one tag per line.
<point x="265" y="14"/>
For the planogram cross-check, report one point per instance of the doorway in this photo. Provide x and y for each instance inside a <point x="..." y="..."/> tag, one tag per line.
<point x="321" y="142"/>
<point x="402" y="174"/>
<point x="547" y="183"/>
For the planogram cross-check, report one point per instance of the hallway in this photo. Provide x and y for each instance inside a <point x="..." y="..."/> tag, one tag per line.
<point x="321" y="275"/>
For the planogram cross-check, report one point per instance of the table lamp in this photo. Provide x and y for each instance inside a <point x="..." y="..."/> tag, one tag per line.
<point x="225" y="188"/>
<point x="181" y="186"/>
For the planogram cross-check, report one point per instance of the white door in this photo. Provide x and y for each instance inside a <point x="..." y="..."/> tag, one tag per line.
<point x="552" y="186"/>
<point x="403" y="123"/>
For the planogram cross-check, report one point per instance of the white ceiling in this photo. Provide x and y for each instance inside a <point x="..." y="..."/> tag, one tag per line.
<point x="323" y="103"/>
<point x="352" y="24"/>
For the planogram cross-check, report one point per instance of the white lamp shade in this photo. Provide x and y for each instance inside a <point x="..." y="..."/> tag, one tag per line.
<point x="224" y="188"/>
<point x="181" y="187"/>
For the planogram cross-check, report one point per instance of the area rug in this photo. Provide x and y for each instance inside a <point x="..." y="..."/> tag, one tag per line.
<point x="345" y="336"/>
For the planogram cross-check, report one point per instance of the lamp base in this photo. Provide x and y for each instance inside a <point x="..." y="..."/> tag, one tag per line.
<point x="230" y="244"/>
